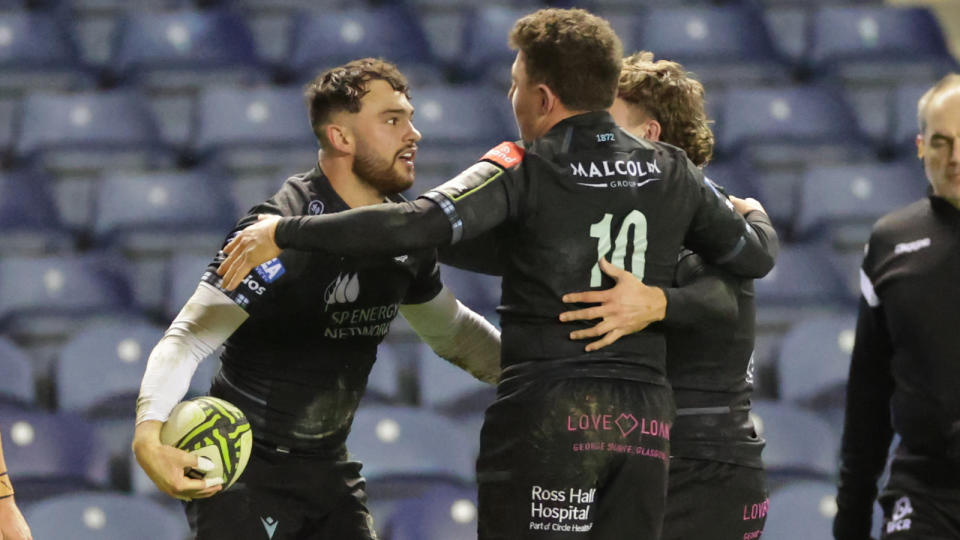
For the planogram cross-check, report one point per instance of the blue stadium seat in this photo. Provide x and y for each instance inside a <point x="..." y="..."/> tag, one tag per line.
<point x="48" y="294"/>
<point x="905" y="124"/>
<point x="725" y="45"/>
<point x="878" y="43"/>
<point x="326" y="39"/>
<point x="804" y="282"/>
<point x="485" y="52"/>
<point x="185" y="48"/>
<point x="101" y="367"/>
<point x="814" y="361"/>
<point x="28" y="215"/>
<point x="733" y="177"/>
<point x="90" y="131"/>
<point x="412" y="443"/>
<point x="449" y="389"/>
<point x="459" y="124"/>
<point x="50" y="453"/>
<point x="383" y="383"/>
<point x="184" y="271"/>
<point x="799" y="443"/>
<point x="37" y="52"/>
<point x="163" y="212"/>
<point x="16" y="385"/>
<point x="843" y="201"/>
<point x="89" y="516"/>
<point x="787" y="116"/>
<point x="439" y="513"/>
<point x="802" y="510"/>
<point x="250" y="129"/>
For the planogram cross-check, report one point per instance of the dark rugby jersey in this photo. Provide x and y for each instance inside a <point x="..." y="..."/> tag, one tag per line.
<point x="586" y="189"/>
<point x="905" y="365"/>
<point x="298" y="365"/>
<point x="709" y="326"/>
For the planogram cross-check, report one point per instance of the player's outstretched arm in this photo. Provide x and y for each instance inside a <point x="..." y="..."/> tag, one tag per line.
<point x="12" y="524"/>
<point x="457" y="334"/>
<point x="204" y="323"/>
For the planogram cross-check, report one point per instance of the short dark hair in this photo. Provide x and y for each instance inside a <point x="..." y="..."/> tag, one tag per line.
<point x="947" y="82"/>
<point x="341" y="89"/>
<point x="572" y="51"/>
<point x="667" y="93"/>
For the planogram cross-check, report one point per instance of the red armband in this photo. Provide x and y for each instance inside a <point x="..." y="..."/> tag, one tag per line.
<point x="505" y="154"/>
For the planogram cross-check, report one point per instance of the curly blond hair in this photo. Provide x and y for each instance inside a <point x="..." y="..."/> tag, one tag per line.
<point x="667" y="93"/>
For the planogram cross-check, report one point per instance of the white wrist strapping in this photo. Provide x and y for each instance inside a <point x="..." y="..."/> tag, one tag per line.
<point x="204" y="323"/>
<point x="458" y="334"/>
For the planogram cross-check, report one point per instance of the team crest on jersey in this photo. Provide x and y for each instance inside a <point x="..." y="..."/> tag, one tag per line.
<point x="316" y="207"/>
<point x="899" y="520"/>
<point x="343" y="290"/>
<point x="505" y="154"/>
<point x="270" y="270"/>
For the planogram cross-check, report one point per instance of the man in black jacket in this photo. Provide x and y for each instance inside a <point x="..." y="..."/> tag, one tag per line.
<point x="906" y="360"/>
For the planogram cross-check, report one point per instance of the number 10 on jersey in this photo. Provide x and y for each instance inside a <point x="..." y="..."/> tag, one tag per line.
<point x="603" y="231"/>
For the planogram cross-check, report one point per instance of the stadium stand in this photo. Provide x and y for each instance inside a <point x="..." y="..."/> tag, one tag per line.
<point x="799" y="443"/>
<point x="440" y="513"/>
<point x="16" y="385"/>
<point x="28" y="215"/>
<point x="802" y="510"/>
<point x="89" y="516"/>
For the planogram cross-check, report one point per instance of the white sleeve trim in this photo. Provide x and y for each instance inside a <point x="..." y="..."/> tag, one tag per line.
<point x="866" y="288"/>
<point x="204" y="323"/>
<point x="458" y="334"/>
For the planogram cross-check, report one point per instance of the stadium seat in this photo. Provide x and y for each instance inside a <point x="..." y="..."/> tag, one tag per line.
<point x="905" y="125"/>
<point x="485" y="53"/>
<point x="100" y="516"/>
<point x="37" y="52"/>
<point x="255" y="129"/>
<point x="16" y="384"/>
<point x="459" y="124"/>
<point x="449" y="389"/>
<point x="183" y="274"/>
<point x="804" y="274"/>
<point x="814" y="361"/>
<point x="843" y="201"/>
<point x="878" y="43"/>
<point x="101" y="367"/>
<point x="439" y="513"/>
<point x="184" y="48"/>
<point x="163" y="212"/>
<point x="323" y="39"/>
<point x="384" y="381"/>
<point x="405" y="442"/>
<point x="799" y="443"/>
<point x="733" y="177"/>
<point x="46" y="295"/>
<point x="722" y="45"/>
<point x="50" y="453"/>
<point x="789" y="120"/>
<point x="89" y="132"/>
<point x="28" y="215"/>
<point x="802" y="510"/>
<point x="479" y="292"/>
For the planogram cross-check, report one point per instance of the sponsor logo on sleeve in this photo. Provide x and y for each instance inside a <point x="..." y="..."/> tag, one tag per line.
<point x="271" y="270"/>
<point x="506" y="154"/>
<point x="316" y="207"/>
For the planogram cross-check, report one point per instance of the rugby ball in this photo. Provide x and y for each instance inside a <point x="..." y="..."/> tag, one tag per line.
<point x="214" y="429"/>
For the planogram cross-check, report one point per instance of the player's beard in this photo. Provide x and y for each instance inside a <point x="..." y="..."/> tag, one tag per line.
<point x="378" y="172"/>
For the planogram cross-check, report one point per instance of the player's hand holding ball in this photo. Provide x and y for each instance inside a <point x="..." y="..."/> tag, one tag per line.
<point x="202" y="448"/>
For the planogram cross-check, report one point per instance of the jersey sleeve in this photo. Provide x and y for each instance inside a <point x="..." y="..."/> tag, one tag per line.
<point x="485" y="195"/>
<point x="256" y="284"/>
<point x="704" y="295"/>
<point x="483" y="254"/>
<point x="427" y="285"/>
<point x="867" y="430"/>
<point x="744" y="247"/>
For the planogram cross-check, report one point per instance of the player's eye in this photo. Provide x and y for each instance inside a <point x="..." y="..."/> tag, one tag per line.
<point x="393" y="121"/>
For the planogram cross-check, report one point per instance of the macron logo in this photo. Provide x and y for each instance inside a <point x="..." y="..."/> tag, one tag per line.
<point x="269" y="525"/>
<point x="910" y="247"/>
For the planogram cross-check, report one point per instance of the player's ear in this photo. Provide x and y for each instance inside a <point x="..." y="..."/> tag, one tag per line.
<point x="652" y="130"/>
<point x="920" y="146"/>
<point x="548" y="99"/>
<point x="339" y="137"/>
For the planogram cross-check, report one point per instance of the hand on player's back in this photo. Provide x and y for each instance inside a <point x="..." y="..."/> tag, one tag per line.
<point x="250" y="248"/>
<point x="628" y="307"/>
<point x="744" y="206"/>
